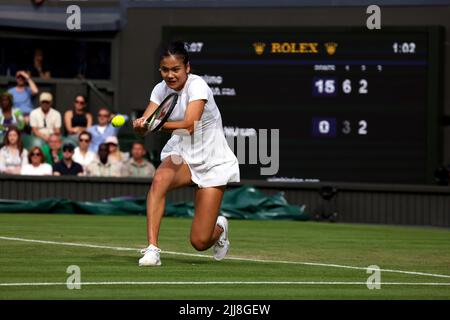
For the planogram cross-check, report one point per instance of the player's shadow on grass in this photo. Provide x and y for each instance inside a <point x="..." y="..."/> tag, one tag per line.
<point x="117" y="258"/>
<point x="133" y="259"/>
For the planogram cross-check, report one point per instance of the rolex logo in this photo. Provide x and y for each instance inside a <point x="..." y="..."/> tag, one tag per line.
<point x="331" y="47"/>
<point x="259" y="47"/>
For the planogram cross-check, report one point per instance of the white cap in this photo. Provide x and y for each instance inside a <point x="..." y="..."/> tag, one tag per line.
<point x="112" y="139"/>
<point x="46" y="96"/>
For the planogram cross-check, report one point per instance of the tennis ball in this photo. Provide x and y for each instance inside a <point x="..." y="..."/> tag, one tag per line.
<point x="118" y="121"/>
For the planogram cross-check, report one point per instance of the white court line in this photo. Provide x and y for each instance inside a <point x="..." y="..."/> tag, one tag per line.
<point x="228" y="258"/>
<point x="203" y="283"/>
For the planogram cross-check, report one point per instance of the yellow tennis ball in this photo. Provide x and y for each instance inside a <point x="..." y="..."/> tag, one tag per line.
<point x="118" y="121"/>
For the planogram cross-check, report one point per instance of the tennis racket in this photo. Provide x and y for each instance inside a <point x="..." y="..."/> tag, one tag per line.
<point x="162" y="113"/>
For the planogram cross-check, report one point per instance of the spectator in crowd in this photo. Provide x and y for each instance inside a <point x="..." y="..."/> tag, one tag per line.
<point x="115" y="155"/>
<point x="67" y="167"/>
<point x="101" y="167"/>
<point x="82" y="154"/>
<point x="77" y="119"/>
<point x="39" y="68"/>
<point x="52" y="149"/>
<point x="22" y="93"/>
<point x="36" y="165"/>
<point x="45" y="120"/>
<point x="138" y="166"/>
<point x="12" y="155"/>
<point x="103" y="129"/>
<point x="9" y="116"/>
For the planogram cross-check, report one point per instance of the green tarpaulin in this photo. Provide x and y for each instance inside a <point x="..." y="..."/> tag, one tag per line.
<point x="241" y="203"/>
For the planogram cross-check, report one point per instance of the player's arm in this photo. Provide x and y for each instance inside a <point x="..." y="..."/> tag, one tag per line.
<point x="139" y="124"/>
<point x="150" y="109"/>
<point x="193" y="113"/>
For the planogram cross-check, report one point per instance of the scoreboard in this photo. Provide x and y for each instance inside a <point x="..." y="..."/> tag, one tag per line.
<point x="325" y="104"/>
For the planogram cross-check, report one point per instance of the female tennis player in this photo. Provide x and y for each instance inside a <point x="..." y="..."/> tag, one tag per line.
<point x="196" y="153"/>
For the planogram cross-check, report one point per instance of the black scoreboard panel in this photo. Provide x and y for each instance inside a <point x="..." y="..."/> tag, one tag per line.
<point x="350" y="104"/>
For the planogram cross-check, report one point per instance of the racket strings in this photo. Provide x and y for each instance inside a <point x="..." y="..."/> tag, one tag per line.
<point x="161" y="112"/>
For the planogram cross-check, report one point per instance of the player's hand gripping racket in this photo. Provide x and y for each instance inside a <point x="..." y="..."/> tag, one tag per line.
<point x="162" y="113"/>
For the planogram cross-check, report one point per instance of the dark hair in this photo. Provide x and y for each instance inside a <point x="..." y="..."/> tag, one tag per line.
<point x="80" y="95"/>
<point x="85" y="133"/>
<point x="103" y="146"/>
<point x="40" y="151"/>
<point x="175" y="48"/>
<point x="19" y="139"/>
<point x="103" y="108"/>
<point x="68" y="146"/>
<point x="9" y="96"/>
<point x="139" y="143"/>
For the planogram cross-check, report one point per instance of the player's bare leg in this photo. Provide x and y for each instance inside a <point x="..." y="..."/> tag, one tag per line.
<point x="168" y="176"/>
<point x="205" y="232"/>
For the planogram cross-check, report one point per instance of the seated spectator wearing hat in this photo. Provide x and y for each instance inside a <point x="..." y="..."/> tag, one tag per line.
<point x="101" y="167"/>
<point x="36" y="165"/>
<point x="67" y="167"/>
<point x="9" y="116"/>
<point x="138" y="166"/>
<point x="45" y="120"/>
<point x="115" y="155"/>
<point x="82" y="155"/>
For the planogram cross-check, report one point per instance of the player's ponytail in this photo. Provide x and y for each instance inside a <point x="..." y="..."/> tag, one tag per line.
<point x="175" y="48"/>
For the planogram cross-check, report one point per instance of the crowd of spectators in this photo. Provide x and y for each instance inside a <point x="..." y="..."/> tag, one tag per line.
<point x="73" y="145"/>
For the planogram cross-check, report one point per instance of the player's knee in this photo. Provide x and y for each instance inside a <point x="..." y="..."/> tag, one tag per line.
<point x="158" y="183"/>
<point x="200" y="243"/>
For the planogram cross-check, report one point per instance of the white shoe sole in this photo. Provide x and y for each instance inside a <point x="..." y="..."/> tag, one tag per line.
<point x="149" y="264"/>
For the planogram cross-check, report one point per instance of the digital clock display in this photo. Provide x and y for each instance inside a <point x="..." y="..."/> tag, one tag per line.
<point x="350" y="104"/>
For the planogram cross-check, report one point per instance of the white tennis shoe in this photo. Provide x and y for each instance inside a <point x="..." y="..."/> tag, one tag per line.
<point x="151" y="256"/>
<point x="223" y="244"/>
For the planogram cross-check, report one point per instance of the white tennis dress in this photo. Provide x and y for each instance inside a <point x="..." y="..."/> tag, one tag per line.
<point x="206" y="152"/>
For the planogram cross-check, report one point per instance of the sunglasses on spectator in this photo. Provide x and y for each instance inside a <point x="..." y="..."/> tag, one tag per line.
<point x="103" y="115"/>
<point x="67" y="150"/>
<point x="45" y="101"/>
<point x="36" y="154"/>
<point x="84" y="140"/>
<point x="79" y="101"/>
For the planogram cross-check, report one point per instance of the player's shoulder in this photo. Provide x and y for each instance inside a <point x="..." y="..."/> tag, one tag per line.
<point x="161" y="88"/>
<point x="193" y="78"/>
<point x="196" y="82"/>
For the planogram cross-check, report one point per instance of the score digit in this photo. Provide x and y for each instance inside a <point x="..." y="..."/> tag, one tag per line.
<point x="362" y="127"/>
<point x="347" y="86"/>
<point x="324" y="87"/>
<point x="323" y="127"/>
<point x="363" y="86"/>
